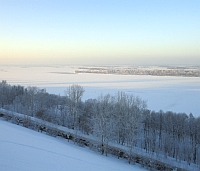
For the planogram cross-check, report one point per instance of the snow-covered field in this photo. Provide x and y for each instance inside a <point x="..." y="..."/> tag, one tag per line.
<point x="177" y="94"/>
<point x="22" y="149"/>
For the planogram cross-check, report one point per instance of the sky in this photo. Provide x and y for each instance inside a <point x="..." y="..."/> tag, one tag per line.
<point x="100" y="32"/>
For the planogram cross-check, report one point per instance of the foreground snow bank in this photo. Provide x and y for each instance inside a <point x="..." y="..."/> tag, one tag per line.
<point x="149" y="160"/>
<point x="24" y="149"/>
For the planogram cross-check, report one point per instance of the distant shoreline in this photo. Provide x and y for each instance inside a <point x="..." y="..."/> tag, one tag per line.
<point x="158" y="71"/>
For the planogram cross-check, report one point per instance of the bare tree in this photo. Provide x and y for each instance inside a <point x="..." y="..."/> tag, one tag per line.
<point x="74" y="94"/>
<point x="103" y="121"/>
<point x="4" y="92"/>
<point x="32" y="91"/>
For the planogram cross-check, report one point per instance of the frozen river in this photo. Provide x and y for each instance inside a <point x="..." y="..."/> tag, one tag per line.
<point x="177" y="94"/>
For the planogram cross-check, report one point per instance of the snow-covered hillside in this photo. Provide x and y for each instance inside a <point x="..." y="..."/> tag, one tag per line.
<point x="22" y="149"/>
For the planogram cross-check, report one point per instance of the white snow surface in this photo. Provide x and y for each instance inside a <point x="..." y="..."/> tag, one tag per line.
<point x="22" y="149"/>
<point x="167" y="93"/>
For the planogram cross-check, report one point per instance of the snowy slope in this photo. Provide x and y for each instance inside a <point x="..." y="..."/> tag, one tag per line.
<point x="22" y="149"/>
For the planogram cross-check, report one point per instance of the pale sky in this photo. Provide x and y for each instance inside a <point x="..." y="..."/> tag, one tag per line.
<point x="112" y="32"/>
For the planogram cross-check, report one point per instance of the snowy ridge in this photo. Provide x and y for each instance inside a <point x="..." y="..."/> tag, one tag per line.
<point x="80" y="138"/>
<point x="23" y="149"/>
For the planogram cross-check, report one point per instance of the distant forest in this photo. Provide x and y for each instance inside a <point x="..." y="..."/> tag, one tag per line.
<point x="181" y="72"/>
<point x="113" y="119"/>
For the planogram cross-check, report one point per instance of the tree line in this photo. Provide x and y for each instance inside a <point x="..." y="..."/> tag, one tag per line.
<point x="120" y="119"/>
